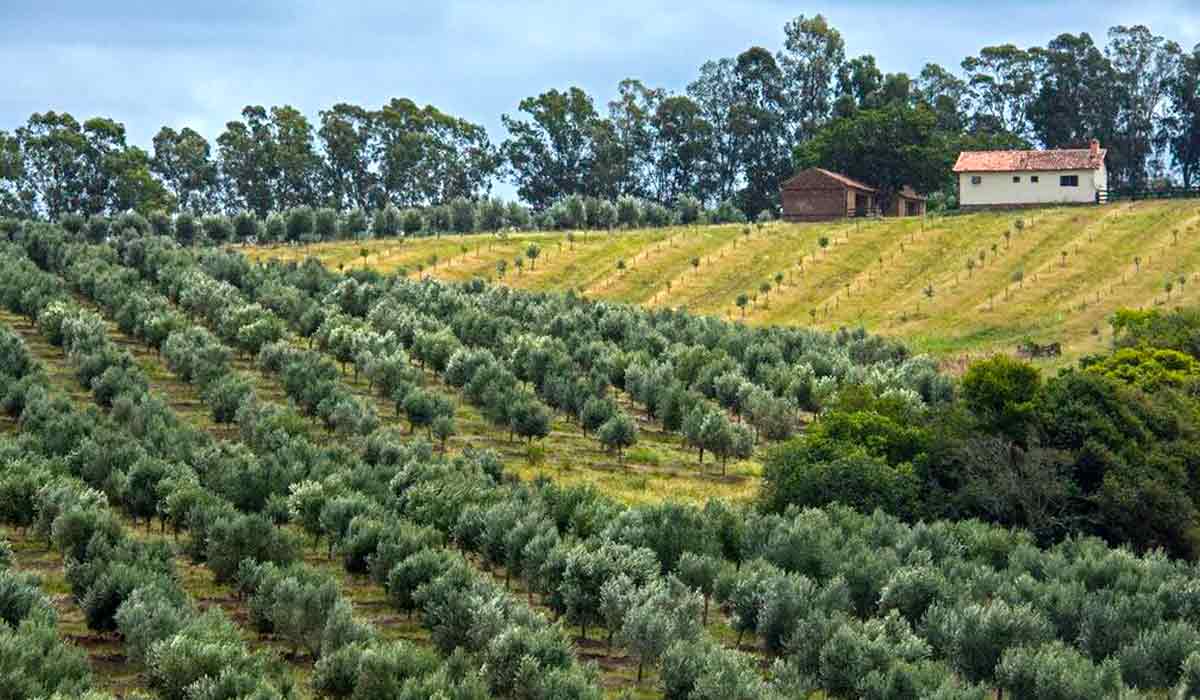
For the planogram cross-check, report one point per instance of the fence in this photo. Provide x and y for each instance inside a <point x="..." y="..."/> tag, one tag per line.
<point x="871" y="212"/>
<point x="1134" y="194"/>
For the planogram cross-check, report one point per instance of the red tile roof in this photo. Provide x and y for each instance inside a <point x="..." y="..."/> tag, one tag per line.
<point x="1016" y="161"/>
<point x="836" y="177"/>
<point x="848" y="181"/>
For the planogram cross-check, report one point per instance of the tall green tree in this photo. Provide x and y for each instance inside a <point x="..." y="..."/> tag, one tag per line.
<point x="1143" y="63"/>
<point x="53" y="147"/>
<point x="1180" y="129"/>
<point x="632" y="115"/>
<point x="889" y="148"/>
<point x="296" y="158"/>
<point x="246" y="153"/>
<point x="1002" y="81"/>
<point x="812" y="56"/>
<point x="131" y="184"/>
<point x="425" y="156"/>
<point x="944" y="93"/>
<point x="859" y="83"/>
<point x="345" y="135"/>
<point x="64" y="166"/>
<point x="611" y="173"/>
<point x="14" y="198"/>
<point x="550" y="152"/>
<point x="683" y="148"/>
<point x="1076" y="99"/>
<point x="759" y="125"/>
<point x="716" y="92"/>
<point x="183" y="162"/>
<point x="104" y="143"/>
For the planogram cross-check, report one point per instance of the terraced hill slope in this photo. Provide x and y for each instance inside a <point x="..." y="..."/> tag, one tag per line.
<point x="1045" y="275"/>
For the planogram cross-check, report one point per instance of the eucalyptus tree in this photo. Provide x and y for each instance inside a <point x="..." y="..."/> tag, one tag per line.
<point x="551" y="149"/>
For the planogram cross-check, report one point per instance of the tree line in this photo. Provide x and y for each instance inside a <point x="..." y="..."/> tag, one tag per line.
<point x="737" y="130"/>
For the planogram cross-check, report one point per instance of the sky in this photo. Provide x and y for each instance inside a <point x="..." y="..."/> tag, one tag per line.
<point x="154" y="63"/>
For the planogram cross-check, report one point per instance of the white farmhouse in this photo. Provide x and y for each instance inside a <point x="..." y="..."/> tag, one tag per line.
<point x="998" y="179"/>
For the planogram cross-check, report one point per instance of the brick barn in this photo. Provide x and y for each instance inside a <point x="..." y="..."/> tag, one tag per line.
<point x="817" y="194"/>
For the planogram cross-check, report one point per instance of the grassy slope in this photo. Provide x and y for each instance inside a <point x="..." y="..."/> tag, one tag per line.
<point x="846" y="284"/>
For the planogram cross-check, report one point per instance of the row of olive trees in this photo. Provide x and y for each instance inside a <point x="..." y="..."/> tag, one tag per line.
<point x="305" y="224"/>
<point x="847" y="602"/>
<point x="792" y="363"/>
<point x="576" y="382"/>
<point x="302" y="606"/>
<point x="291" y="601"/>
<point x="573" y="365"/>
<point x="122" y="583"/>
<point x="339" y="519"/>
<point x="38" y="662"/>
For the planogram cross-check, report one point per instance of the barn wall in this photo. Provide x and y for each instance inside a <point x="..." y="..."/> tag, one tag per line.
<point x="814" y="204"/>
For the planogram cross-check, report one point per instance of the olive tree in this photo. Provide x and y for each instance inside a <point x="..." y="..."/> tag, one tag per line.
<point x="618" y="433"/>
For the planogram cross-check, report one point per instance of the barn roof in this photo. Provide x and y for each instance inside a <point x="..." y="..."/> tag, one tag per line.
<point x="907" y="192"/>
<point x="1019" y="161"/>
<point x="842" y="179"/>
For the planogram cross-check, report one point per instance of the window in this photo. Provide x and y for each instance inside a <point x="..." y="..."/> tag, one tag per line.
<point x="1033" y="178"/>
<point x="1068" y="181"/>
<point x="976" y="179"/>
<point x="1016" y="178"/>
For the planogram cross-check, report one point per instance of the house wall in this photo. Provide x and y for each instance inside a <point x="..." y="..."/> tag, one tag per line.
<point x="998" y="189"/>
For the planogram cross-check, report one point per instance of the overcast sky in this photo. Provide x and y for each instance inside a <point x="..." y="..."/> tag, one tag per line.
<point x="149" y="64"/>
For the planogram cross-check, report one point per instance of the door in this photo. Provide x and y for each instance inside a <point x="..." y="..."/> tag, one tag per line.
<point x="860" y="204"/>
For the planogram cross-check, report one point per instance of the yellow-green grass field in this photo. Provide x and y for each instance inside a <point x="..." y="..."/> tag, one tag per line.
<point x="906" y="278"/>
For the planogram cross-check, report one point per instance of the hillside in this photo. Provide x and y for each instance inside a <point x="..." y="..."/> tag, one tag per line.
<point x="1045" y="275"/>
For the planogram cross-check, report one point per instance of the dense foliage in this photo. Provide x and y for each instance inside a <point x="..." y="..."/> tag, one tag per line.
<point x="1111" y="448"/>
